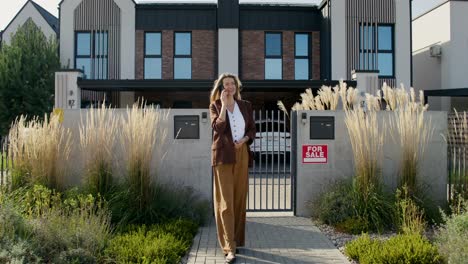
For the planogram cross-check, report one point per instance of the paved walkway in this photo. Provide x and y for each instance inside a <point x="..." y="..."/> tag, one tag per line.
<point x="270" y="240"/>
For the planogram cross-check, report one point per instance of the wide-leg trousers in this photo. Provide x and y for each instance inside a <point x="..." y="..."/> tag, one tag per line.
<point x="230" y="194"/>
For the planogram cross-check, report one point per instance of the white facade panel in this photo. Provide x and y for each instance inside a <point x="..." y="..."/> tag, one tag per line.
<point x="402" y="43"/>
<point x="67" y="34"/>
<point x="338" y="39"/>
<point x="228" y="50"/>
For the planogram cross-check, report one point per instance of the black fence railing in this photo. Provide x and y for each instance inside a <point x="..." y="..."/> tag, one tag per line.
<point x="458" y="171"/>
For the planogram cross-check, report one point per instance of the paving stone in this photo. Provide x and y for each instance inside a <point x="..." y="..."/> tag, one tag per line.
<point x="270" y="240"/>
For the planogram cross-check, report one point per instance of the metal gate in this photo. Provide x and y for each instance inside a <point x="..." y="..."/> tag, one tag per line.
<point x="271" y="183"/>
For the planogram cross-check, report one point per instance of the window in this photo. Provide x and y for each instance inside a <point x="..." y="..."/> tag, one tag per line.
<point x="91" y="54"/>
<point x="153" y="55"/>
<point x="273" y="56"/>
<point x="183" y="55"/>
<point x="302" y="56"/>
<point x="376" y="49"/>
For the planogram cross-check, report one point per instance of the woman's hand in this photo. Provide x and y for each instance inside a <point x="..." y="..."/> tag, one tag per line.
<point x="224" y="97"/>
<point x="238" y="144"/>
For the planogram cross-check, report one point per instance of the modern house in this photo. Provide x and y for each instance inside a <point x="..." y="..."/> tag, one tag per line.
<point x="47" y="22"/>
<point x="170" y="52"/>
<point x="440" y="55"/>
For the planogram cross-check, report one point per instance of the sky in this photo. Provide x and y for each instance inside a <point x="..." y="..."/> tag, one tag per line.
<point x="11" y="7"/>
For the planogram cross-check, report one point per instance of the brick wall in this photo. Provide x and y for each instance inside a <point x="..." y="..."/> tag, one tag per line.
<point x="203" y="54"/>
<point x="139" y="54"/>
<point x="316" y="55"/>
<point x="204" y="59"/>
<point x="167" y="54"/>
<point x="253" y="55"/>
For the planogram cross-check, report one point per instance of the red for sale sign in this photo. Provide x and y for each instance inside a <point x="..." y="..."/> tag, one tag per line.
<point x="314" y="153"/>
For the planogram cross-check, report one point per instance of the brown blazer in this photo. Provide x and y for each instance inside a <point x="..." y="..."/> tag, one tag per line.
<point x="222" y="148"/>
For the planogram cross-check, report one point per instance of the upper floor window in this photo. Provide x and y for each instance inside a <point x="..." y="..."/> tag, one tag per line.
<point x="376" y="49"/>
<point x="302" y="56"/>
<point x="153" y="59"/>
<point x="273" y="56"/>
<point x="91" y="54"/>
<point x="182" y="55"/>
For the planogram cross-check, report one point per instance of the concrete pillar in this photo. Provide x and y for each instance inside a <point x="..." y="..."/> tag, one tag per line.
<point x="67" y="92"/>
<point x="366" y="81"/>
<point x="402" y="43"/>
<point x="228" y="51"/>
<point x="338" y="39"/>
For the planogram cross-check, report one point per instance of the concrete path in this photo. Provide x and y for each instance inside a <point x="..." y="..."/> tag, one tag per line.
<point x="270" y="240"/>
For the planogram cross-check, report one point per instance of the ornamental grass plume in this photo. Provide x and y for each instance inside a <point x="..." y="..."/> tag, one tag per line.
<point x="142" y="135"/>
<point x="98" y="134"/>
<point x="410" y="130"/>
<point x="39" y="151"/>
<point x="367" y="136"/>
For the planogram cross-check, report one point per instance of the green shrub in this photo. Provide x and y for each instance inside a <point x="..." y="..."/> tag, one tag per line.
<point x="410" y="219"/>
<point x="66" y="228"/>
<point x="334" y="205"/>
<point x="451" y="238"/>
<point x="167" y="202"/>
<point x="403" y="248"/>
<point x="154" y="244"/>
<point x="353" y="226"/>
<point x="346" y="205"/>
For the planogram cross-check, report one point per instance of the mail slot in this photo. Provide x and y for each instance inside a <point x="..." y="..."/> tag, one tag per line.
<point x="187" y="127"/>
<point x="322" y="127"/>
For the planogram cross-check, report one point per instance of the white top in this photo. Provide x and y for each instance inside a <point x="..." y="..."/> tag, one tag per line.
<point x="237" y="123"/>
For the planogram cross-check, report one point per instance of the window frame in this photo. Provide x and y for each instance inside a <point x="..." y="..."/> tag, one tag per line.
<point x="175" y="56"/>
<point x="375" y="51"/>
<point x="273" y="56"/>
<point x="146" y="56"/>
<point x="93" y="56"/>
<point x="309" y="54"/>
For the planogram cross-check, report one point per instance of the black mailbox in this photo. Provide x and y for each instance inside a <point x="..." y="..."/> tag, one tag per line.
<point x="322" y="127"/>
<point x="187" y="127"/>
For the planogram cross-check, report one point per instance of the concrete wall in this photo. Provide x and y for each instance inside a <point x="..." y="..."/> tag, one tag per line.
<point x="187" y="161"/>
<point x="28" y="12"/>
<point x="313" y="178"/>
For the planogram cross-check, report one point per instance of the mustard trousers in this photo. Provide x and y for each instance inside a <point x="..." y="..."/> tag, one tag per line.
<point x="230" y="194"/>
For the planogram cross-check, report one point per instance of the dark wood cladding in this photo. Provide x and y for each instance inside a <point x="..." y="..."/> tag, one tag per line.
<point x="369" y="13"/>
<point x="176" y="17"/>
<point x="279" y="18"/>
<point x="228" y="14"/>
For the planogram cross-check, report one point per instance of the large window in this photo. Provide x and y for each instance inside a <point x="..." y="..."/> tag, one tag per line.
<point x="376" y="49"/>
<point x="183" y="55"/>
<point x="153" y="55"/>
<point x="273" y="56"/>
<point x="302" y="56"/>
<point x="91" y="54"/>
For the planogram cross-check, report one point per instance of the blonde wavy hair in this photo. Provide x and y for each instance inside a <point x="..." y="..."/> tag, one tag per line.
<point x="216" y="93"/>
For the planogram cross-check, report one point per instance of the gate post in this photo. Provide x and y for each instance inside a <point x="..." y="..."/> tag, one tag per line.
<point x="67" y="92"/>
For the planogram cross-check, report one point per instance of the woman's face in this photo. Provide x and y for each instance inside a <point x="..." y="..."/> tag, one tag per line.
<point x="229" y="85"/>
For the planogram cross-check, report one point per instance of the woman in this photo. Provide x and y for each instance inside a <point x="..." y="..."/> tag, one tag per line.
<point x="233" y="131"/>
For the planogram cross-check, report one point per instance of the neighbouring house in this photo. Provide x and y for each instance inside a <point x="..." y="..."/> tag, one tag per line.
<point x="170" y="52"/>
<point x="47" y="22"/>
<point x="440" y="55"/>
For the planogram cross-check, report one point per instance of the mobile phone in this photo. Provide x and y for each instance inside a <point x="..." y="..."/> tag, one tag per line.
<point x="221" y="88"/>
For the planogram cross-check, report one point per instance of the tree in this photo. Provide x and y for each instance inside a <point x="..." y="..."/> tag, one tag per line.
<point x="27" y="74"/>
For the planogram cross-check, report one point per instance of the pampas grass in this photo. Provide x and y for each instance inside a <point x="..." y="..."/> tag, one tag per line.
<point x="410" y="131"/>
<point x="39" y="150"/>
<point x="98" y="134"/>
<point x="367" y="136"/>
<point x="141" y="133"/>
